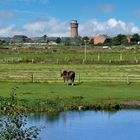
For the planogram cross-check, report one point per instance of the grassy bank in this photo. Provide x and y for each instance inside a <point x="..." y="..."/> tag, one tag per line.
<point x="58" y="97"/>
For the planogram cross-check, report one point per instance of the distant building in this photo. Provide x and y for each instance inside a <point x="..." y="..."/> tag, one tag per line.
<point x="101" y="39"/>
<point x="74" y="28"/>
<point x="129" y="38"/>
<point x="21" y="39"/>
<point x="52" y="43"/>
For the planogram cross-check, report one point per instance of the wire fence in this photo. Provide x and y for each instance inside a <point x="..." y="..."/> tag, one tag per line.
<point x="71" y="61"/>
<point x="55" y="77"/>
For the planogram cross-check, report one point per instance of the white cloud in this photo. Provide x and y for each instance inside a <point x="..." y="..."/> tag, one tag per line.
<point x="38" y="26"/>
<point x="110" y="27"/>
<point x="54" y="27"/>
<point x="135" y="30"/>
<point x="4" y="31"/>
<point x="51" y="27"/>
<point x="112" y="22"/>
<point x="11" y="30"/>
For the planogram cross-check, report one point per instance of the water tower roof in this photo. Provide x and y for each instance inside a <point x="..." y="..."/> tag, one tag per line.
<point x="74" y="21"/>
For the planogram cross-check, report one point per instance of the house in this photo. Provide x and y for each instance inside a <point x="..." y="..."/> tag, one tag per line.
<point x="101" y="39"/>
<point x="129" y="38"/>
<point x="21" y="39"/>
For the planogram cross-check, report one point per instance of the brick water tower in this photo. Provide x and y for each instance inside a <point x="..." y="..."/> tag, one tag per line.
<point x="74" y="28"/>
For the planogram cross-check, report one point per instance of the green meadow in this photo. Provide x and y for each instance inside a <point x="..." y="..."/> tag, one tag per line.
<point x="50" y="73"/>
<point x="33" y="76"/>
<point x="91" y="92"/>
<point x="67" y="54"/>
<point x="39" y="87"/>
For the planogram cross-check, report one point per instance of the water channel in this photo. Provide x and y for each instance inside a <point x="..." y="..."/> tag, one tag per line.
<point x="88" y="125"/>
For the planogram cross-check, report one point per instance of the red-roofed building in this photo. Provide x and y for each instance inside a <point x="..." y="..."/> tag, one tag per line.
<point x="99" y="39"/>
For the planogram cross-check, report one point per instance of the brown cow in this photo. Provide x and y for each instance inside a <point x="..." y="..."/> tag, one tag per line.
<point x="68" y="76"/>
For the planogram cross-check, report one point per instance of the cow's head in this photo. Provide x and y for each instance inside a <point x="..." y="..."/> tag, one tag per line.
<point x="63" y="73"/>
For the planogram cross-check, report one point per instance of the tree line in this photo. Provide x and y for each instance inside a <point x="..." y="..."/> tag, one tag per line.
<point x="120" y="39"/>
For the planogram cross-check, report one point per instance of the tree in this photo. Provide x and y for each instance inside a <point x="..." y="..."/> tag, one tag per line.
<point x="2" y="42"/>
<point x="12" y="126"/>
<point x="58" y="40"/>
<point x="86" y="38"/>
<point x="67" y="41"/>
<point x="116" y="41"/>
<point x="124" y="41"/>
<point x="91" y="41"/>
<point x="120" y="40"/>
<point x="78" y="41"/>
<point x="44" y="38"/>
<point x="135" y="38"/>
<point x="108" y="42"/>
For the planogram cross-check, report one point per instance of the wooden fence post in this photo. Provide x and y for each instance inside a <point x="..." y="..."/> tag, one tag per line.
<point x="83" y="61"/>
<point x="32" y="60"/>
<point x="79" y="78"/>
<point x="127" y="78"/>
<point x="137" y="61"/>
<point x="98" y="57"/>
<point x="121" y="56"/>
<point x="57" y="61"/>
<point x="110" y="61"/>
<point x="32" y="77"/>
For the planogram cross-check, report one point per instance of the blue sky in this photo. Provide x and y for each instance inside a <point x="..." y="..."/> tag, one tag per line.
<point x="52" y="17"/>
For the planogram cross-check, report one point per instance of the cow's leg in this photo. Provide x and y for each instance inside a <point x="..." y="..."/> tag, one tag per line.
<point x="72" y="81"/>
<point x="67" y="82"/>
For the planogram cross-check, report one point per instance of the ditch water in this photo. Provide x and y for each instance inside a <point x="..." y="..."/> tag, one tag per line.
<point x="88" y="125"/>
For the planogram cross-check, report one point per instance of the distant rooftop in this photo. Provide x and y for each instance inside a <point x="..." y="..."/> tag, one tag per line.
<point x="74" y="21"/>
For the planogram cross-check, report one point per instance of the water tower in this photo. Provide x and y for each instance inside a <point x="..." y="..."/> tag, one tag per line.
<point x="74" y="28"/>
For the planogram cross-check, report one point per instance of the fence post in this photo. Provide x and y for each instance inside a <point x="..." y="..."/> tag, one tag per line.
<point x="121" y="56"/>
<point x="127" y="78"/>
<point x="83" y="61"/>
<point x="98" y="57"/>
<point x="57" y="61"/>
<point x="32" y="77"/>
<point x="32" y="60"/>
<point x="110" y="61"/>
<point x="137" y="61"/>
<point x="79" y="78"/>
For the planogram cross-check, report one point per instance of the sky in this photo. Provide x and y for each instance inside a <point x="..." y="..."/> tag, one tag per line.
<point x="53" y="17"/>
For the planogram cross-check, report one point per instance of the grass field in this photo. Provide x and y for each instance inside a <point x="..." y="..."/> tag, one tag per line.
<point x="59" y="97"/>
<point x="50" y="73"/>
<point x="69" y="55"/>
<point x="40" y="86"/>
<point x="96" y="85"/>
<point x="92" y="92"/>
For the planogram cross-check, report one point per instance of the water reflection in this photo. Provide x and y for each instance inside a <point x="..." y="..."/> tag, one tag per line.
<point x="50" y="117"/>
<point x="88" y="125"/>
<point x="53" y="117"/>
